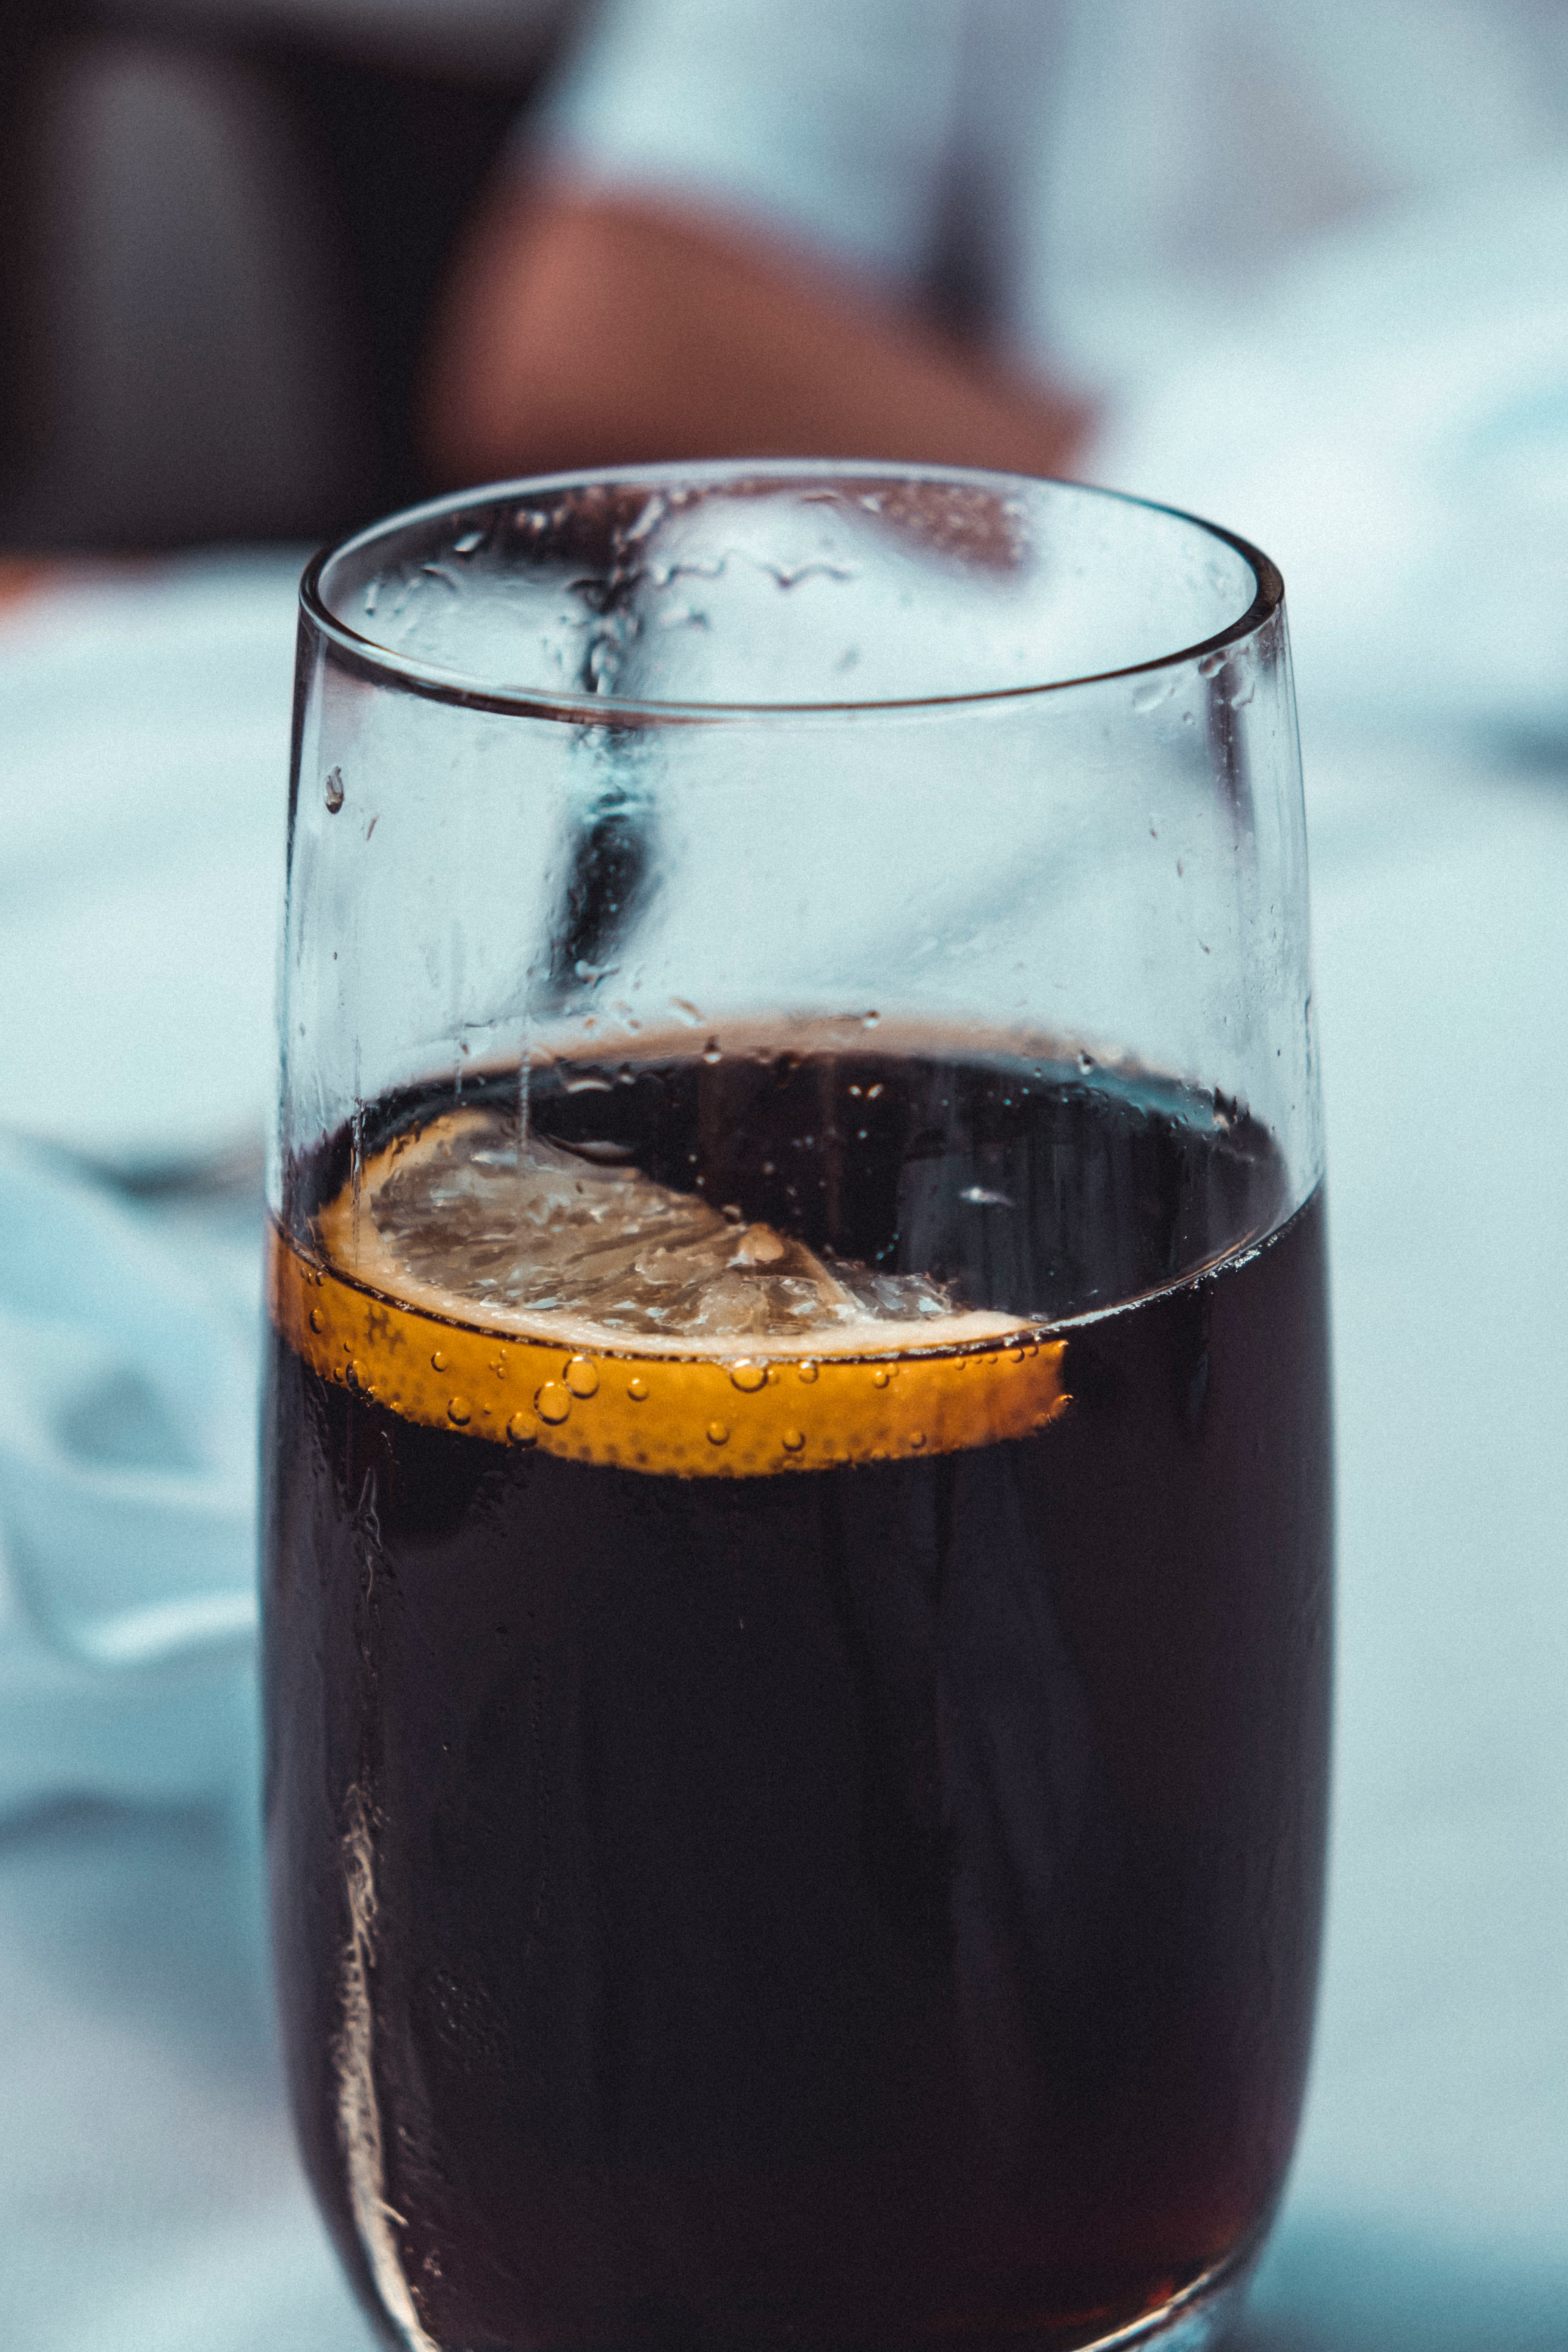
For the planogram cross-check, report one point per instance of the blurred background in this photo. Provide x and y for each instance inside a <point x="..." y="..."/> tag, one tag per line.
<point x="270" y="267"/>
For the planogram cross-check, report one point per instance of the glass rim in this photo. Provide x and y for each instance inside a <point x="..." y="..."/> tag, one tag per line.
<point x="377" y="661"/>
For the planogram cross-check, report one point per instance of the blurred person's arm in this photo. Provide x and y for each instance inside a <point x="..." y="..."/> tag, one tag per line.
<point x="724" y="241"/>
<point x="584" y="328"/>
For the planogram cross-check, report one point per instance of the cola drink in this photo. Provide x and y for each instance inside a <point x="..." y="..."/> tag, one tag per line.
<point x="797" y="1659"/>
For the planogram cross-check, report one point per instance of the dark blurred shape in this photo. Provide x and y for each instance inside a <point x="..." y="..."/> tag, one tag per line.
<point x="220" y="231"/>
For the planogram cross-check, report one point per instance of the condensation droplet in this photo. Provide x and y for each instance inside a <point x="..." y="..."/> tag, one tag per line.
<point x="793" y="1441"/>
<point x="686" y="1012"/>
<point x="359" y="1378"/>
<point x="1211" y="665"/>
<point x="710" y="1053"/>
<point x="317" y="1319"/>
<point x="583" y="1376"/>
<point x="521" y="1431"/>
<point x="718" y="1433"/>
<point x="470" y="542"/>
<point x="748" y="1376"/>
<point x="878" y="1380"/>
<point x="636" y="1388"/>
<point x="552" y="1403"/>
<point x="438" y="1361"/>
<point x="870" y="1019"/>
<point x="334" y="790"/>
<point x="459" y="1409"/>
<point x="1151" y="694"/>
<point x="917" y="1439"/>
<point x="808" y="1371"/>
<point x="1086" y="1063"/>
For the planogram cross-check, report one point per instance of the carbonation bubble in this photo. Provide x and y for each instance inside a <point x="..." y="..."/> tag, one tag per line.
<point x="459" y="1409"/>
<point x="880" y="1379"/>
<point x="793" y="1441"/>
<point x="583" y="1376"/>
<point x="749" y="1378"/>
<point x="808" y="1371"/>
<point x="718" y="1433"/>
<point x="334" y="790"/>
<point x="521" y="1431"/>
<point x="636" y="1388"/>
<point x="552" y="1403"/>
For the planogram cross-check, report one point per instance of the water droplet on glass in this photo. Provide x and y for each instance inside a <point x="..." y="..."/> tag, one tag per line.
<point x="718" y="1433"/>
<point x="636" y="1388"/>
<point x="1211" y="665"/>
<point x="793" y="1441"/>
<point x="521" y="1431"/>
<point x="878" y="1380"/>
<point x="469" y="543"/>
<point x="917" y="1439"/>
<point x="459" y="1409"/>
<point x="583" y="1376"/>
<point x="317" y="1319"/>
<point x="686" y="1012"/>
<point x="808" y="1371"/>
<point x="1086" y="1063"/>
<point x="552" y="1403"/>
<point x="1151" y="694"/>
<point x="749" y="1378"/>
<point x="438" y="1361"/>
<point x="358" y="1376"/>
<point x="710" y="1053"/>
<point x="334" y="790"/>
<point x="870" y="1019"/>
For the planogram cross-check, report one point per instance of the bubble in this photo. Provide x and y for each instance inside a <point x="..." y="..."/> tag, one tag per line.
<point x="459" y="1409"/>
<point x="332" y="791"/>
<point x="748" y="1376"/>
<point x="636" y="1388"/>
<point x="1211" y="665"/>
<point x="710" y="1053"/>
<point x="358" y="1376"/>
<point x="552" y="1403"/>
<point x="317" y="1319"/>
<point x="870" y="1019"/>
<point x="521" y="1431"/>
<point x="718" y="1433"/>
<point x="793" y="1441"/>
<point x="878" y="1378"/>
<point x="583" y="1376"/>
<point x="808" y="1371"/>
<point x="1086" y="1063"/>
<point x="917" y="1439"/>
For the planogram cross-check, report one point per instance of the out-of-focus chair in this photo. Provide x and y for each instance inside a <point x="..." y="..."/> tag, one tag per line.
<point x="221" y="225"/>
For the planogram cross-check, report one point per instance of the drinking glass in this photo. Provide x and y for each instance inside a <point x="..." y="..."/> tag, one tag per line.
<point x="797" y="1527"/>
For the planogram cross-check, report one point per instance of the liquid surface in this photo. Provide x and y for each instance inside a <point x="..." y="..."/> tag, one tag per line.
<point x="858" y="1897"/>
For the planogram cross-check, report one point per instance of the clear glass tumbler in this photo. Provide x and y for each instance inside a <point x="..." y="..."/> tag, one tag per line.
<point x="798" y="1524"/>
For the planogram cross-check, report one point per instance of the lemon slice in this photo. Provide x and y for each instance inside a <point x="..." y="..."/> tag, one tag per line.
<point x="549" y="1301"/>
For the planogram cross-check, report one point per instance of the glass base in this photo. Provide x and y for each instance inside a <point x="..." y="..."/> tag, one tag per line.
<point x="1199" y="2319"/>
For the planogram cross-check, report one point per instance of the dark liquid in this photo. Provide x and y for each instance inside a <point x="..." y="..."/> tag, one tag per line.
<point x="849" y="1907"/>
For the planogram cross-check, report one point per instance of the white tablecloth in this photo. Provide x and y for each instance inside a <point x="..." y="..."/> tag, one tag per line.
<point x="150" y="2198"/>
